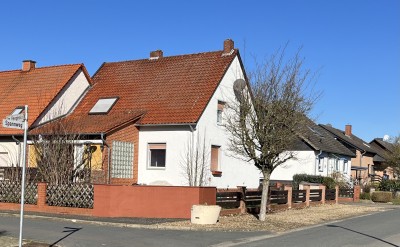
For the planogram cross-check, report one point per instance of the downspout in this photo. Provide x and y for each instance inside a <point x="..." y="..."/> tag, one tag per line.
<point x="191" y="154"/>
<point x="108" y="156"/>
<point x="316" y="162"/>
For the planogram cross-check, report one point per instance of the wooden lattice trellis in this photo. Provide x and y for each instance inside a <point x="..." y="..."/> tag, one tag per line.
<point x="10" y="192"/>
<point x="70" y="195"/>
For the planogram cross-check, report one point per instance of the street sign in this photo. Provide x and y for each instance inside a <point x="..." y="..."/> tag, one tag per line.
<point x="7" y="123"/>
<point x="17" y="117"/>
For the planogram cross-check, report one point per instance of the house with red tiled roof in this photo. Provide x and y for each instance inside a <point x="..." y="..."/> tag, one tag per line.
<point x="145" y="117"/>
<point x="49" y="92"/>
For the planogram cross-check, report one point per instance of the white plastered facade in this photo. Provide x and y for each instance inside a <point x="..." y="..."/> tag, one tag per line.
<point x="66" y="99"/>
<point x="313" y="163"/>
<point x="234" y="172"/>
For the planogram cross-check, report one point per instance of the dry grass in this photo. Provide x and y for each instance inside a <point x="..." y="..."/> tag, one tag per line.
<point x="282" y="221"/>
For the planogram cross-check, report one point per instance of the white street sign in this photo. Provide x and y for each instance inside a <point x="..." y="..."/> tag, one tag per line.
<point x="17" y="117"/>
<point x="7" y="123"/>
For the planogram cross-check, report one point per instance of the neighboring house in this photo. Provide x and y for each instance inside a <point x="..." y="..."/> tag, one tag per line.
<point x="141" y="116"/>
<point x="50" y="92"/>
<point x="383" y="148"/>
<point x="317" y="152"/>
<point x="363" y="164"/>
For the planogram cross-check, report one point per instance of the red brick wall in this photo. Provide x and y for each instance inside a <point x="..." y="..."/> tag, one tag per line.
<point x="150" y="201"/>
<point x="128" y="133"/>
<point x="130" y="201"/>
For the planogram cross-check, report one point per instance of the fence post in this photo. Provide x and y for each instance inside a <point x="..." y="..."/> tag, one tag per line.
<point x="242" y="189"/>
<point x="337" y="194"/>
<point x="289" y="195"/>
<point x="323" y="193"/>
<point x="41" y="193"/>
<point x="307" y="188"/>
<point x="356" y="193"/>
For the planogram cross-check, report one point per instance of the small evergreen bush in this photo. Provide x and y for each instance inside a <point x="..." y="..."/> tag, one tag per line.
<point x="381" y="196"/>
<point x="365" y="196"/>
<point x="327" y="181"/>
<point x="389" y="185"/>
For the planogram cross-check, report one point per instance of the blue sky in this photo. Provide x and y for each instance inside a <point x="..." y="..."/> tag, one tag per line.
<point x="354" y="44"/>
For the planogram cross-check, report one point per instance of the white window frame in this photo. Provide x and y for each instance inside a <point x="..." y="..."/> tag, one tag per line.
<point x="337" y="165"/>
<point x="345" y="166"/>
<point x="220" y="111"/>
<point x="149" y="166"/>
<point x="108" y="103"/>
<point x="321" y="163"/>
<point x="17" y="110"/>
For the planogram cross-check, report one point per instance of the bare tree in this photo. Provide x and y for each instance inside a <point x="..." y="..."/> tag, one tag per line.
<point x="392" y="158"/>
<point x="264" y="121"/>
<point x="53" y="152"/>
<point x="195" y="160"/>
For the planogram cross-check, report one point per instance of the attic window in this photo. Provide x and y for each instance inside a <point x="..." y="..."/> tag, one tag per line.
<point x="17" y="110"/>
<point x="103" y="106"/>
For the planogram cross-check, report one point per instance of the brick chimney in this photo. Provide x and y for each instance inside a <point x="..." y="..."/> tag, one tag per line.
<point x="156" y="54"/>
<point x="228" y="46"/>
<point x="28" y="65"/>
<point x="347" y="130"/>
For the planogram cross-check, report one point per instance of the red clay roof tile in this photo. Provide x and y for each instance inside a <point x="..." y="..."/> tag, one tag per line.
<point x="168" y="90"/>
<point x="35" y="88"/>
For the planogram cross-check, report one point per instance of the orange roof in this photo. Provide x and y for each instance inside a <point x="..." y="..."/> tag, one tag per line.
<point x="167" y="90"/>
<point x="35" y="88"/>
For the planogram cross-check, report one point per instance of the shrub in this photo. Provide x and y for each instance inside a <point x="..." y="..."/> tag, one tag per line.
<point x="327" y="181"/>
<point x="365" y="196"/>
<point x="381" y="196"/>
<point x="367" y="188"/>
<point x="389" y="185"/>
<point x="330" y="183"/>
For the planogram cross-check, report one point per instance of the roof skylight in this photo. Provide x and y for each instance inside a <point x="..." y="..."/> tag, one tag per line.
<point x="17" y="110"/>
<point x="103" y="106"/>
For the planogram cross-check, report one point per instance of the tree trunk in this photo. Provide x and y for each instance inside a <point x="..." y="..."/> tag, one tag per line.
<point x="264" y="196"/>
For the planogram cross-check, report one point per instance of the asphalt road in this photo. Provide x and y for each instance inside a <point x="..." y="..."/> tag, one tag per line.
<point x="70" y="234"/>
<point x="380" y="229"/>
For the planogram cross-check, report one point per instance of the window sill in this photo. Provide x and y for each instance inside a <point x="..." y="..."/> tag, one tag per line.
<point x="216" y="173"/>
<point x="156" y="168"/>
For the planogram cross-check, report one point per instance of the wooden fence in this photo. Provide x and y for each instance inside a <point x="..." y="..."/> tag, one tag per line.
<point x="243" y="200"/>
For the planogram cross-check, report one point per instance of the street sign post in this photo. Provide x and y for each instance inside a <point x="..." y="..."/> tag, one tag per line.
<point x="20" y="121"/>
<point x="7" y="123"/>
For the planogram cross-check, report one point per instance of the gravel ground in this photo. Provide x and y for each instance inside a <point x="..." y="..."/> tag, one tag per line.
<point x="282" y="221"/>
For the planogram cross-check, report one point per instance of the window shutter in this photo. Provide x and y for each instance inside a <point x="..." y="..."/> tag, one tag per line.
<point x="214" y="158"/>
<point x="221" y="105"/>
<point x="158" y="146"/>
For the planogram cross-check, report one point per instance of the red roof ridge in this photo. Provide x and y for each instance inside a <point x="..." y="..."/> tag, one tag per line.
<point x="174" y="56"/>
<point x="59" y="65"/>
<point x="44" y="67"/>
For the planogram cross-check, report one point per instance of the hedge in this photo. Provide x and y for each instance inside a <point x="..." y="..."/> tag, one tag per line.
<point x="381" y="196"/>
<point x="327" y="181"/>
